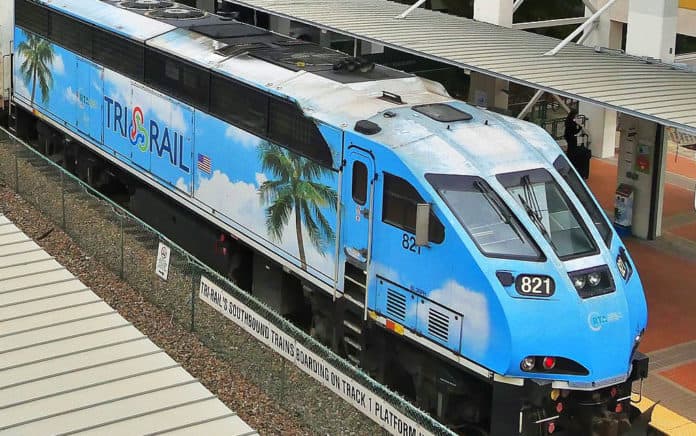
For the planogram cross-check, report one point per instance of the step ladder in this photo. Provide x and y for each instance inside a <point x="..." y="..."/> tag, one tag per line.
<point x="354" y="292"/>
<point x="12" y="117"/>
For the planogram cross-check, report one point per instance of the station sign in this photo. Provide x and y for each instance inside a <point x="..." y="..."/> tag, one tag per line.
<point x="162" y="264"/>
<point x="316" y="367"/>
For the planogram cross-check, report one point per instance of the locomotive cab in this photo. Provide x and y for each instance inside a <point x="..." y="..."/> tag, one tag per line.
<point x="489" y="249"/>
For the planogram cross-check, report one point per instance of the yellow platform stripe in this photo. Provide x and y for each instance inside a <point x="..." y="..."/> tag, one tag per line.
<point x="668" y="422"/>
<point x="687" y="4"/>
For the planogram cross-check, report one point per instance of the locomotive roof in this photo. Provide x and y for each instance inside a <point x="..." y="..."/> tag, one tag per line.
<point x="120" y="21"/>
<point x="488" y="143"/>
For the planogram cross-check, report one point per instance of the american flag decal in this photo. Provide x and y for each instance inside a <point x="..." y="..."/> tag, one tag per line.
<point x="204" y="163"/>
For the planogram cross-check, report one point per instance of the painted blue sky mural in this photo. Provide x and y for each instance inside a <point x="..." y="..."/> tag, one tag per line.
<point x="219" y="164"/>
<point x="232" y="188"/>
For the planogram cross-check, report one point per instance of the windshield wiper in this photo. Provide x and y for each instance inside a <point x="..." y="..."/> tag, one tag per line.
<point x="531" y="206"/>
<point x="499" y="209"/>
<point x="530" y="197"/>
<point x="536" y="219"/>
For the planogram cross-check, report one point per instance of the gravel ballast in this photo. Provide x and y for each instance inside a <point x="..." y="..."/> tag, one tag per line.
<point x="238" y="393"/>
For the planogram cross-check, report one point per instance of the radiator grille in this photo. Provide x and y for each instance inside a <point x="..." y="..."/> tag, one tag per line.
<point x="396" y="305"/>
<point x="438" y="324"/>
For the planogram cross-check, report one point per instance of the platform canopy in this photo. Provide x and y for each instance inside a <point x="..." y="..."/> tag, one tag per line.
<point x="628" y="84"/>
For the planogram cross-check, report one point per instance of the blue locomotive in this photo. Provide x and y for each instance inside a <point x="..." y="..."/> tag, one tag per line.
<point x="452" y="252"/>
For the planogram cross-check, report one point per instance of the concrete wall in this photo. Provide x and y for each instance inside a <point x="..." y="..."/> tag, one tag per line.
<point x="686" y="18"/>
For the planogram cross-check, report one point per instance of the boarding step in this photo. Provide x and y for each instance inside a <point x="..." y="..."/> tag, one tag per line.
<point x="353" y="348"/>
<point x="354" y="359"/>
<point x="359" y="304"/>
<point x="355" y="328"/>
<point x="12" y="120"/>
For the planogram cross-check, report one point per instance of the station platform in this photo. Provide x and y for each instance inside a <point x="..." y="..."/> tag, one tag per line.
<point x="666" y="267"/>
<point x="69" y="363"/>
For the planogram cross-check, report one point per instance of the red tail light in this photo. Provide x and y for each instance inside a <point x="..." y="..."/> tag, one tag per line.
<point x="549" y="362"/>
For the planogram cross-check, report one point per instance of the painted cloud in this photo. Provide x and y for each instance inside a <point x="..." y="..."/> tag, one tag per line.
<point x="239" y="201"/>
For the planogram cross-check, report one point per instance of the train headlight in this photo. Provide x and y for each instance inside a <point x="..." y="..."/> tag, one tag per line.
<point x="594" y="278"/>
<point x="593" y="281"/>
<point x="579" y="281"/>
<point x="528" y="363"/>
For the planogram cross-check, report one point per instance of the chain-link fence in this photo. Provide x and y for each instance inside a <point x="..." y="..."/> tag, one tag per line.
<point x="300" y="374"/>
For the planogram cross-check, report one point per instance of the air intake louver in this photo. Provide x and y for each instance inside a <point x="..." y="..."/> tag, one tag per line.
<point x="396" y="305"/>
<point x="178" y="13"/>
<point x="438" y="324"/>
<point x="146" y="5"/>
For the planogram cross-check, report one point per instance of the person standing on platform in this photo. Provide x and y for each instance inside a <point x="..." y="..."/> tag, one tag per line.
<point x="579" y="156"/>
<point x="572" y="128"/>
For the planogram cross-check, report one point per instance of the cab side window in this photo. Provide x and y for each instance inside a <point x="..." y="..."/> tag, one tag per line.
<point x="399" y="207"/>
<point x="359" y="188"/>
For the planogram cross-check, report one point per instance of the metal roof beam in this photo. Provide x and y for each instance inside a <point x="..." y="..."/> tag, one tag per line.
<point x="580" y="29"/>
<point x="549" y="23"/>
<point x="528" y="107"/>
<point x="589" y="5"/>
<point x="413" y="7"/>
<point x="516" y="5"/>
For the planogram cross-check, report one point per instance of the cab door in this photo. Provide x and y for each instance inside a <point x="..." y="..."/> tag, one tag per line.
<point x="358" y="190"/>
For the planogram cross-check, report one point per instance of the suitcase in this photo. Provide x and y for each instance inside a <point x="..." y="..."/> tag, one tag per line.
<point x="580" y="158"/>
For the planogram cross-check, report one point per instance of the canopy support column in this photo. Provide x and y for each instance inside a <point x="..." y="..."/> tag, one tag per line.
<point x="580" y="29"/>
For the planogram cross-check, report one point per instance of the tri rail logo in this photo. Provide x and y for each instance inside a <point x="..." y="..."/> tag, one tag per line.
<point x="148" y="137"/>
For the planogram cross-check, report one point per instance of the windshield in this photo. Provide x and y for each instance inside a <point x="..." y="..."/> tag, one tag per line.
<point x="550" y="210"/>
<point x="489" y="222"/>
<point x="563" y="168"/>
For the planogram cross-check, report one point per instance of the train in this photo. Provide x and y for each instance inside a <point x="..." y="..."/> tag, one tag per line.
<point x="451" y="252"/>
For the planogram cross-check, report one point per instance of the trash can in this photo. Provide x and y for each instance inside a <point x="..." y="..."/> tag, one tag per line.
<point x="623" y="209"/>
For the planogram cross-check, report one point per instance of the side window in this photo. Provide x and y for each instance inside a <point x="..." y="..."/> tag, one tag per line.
<point x="182" y="80"/>
<point x="572" y="179"/>
<point x="227" y="96"/>
<point x="359" y="182"/>
<point x="287" y="126"/>
<point x="31" y="17"/>
<point x="399" y="207"/>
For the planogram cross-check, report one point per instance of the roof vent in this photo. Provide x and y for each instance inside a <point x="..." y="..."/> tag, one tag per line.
<point x="177" y="13"/>
<point x="391" y="97"/>
<point x="146" y="5"/>
<point x="352" y="64"/>
<point x="442" y="112"/>
<point x="367" y="127"/>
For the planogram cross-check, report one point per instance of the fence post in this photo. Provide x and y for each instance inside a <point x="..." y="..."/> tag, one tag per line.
<point x="283" y="376"/>
<point x="16" y="173"/>
<point x="123" y="251"/>
<point x="62" y="198"/>
<point x="193" y="297"/>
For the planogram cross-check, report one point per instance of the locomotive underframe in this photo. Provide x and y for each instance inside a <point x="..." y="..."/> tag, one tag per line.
<point x="467" y="401"/>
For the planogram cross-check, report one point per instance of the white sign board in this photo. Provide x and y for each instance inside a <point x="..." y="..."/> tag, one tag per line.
<point x="481" y="98"/>
<point x="162" y="265"/>
<point x="345" y="387"/>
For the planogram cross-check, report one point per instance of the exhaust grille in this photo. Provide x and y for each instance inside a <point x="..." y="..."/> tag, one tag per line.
<point x="396" y="305"/>
<point x="438" y="324"/>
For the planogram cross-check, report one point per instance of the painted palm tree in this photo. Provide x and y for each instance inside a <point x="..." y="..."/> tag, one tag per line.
<point x="37" y="55"/>
<point x="294" y="189"/>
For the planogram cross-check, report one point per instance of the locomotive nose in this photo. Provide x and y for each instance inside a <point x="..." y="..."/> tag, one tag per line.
<point x="608" y="339"/>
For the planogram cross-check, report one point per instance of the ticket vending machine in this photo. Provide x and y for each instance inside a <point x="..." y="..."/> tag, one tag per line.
<point x="623" y="209"/>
